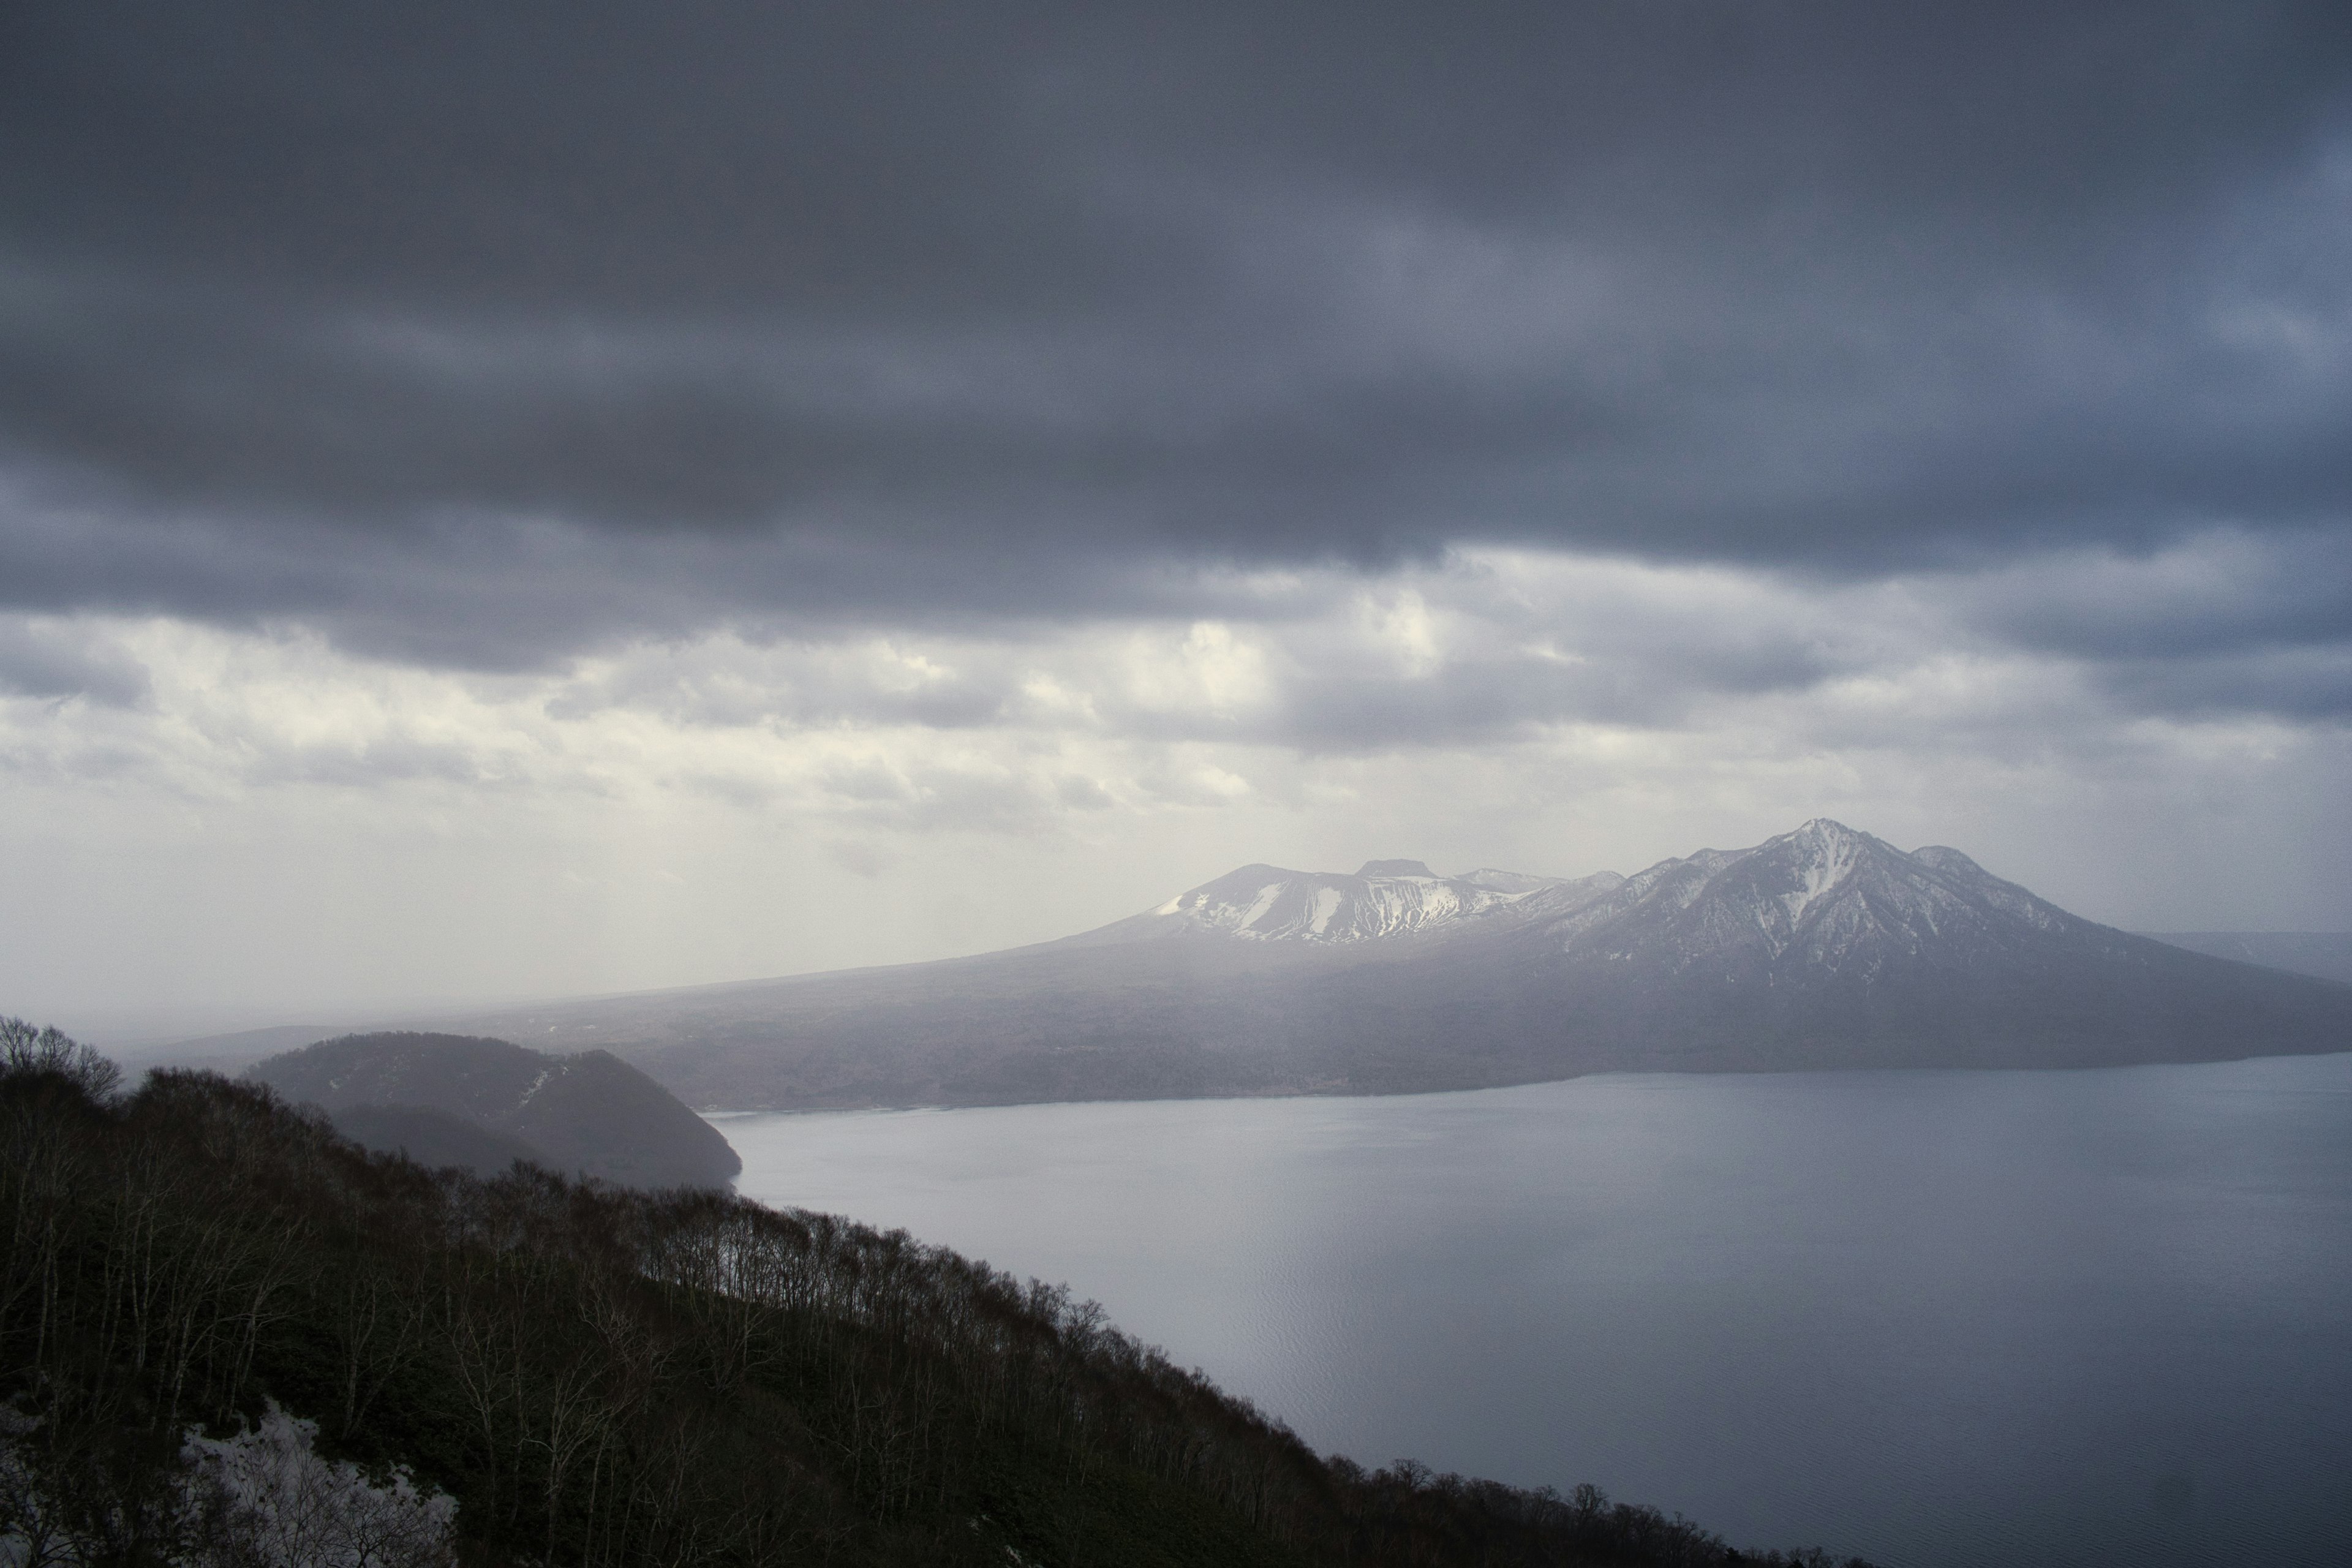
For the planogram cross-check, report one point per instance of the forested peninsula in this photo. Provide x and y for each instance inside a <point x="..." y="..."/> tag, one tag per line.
<point x="233" y="1336"/>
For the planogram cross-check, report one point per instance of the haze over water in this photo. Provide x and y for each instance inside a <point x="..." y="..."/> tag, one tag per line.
<point x="1934" y="1317"/>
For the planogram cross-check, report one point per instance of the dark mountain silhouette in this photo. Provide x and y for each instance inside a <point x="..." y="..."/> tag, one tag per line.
<point x="591" y="1113"/>
<point x="1821" y="948"/>
<point x="433" y="1139"/>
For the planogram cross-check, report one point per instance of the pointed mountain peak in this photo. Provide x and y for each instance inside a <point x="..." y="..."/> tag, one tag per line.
<point x="1832" y="847"/>
<point x="1810" y="900"/>
<point x="1394" y="868"/>
<point x="1815" y="861"/>
<point x="1828" y="831"/>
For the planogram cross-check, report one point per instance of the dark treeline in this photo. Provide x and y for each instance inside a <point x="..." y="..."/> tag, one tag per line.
<point x="606" y="1377"/>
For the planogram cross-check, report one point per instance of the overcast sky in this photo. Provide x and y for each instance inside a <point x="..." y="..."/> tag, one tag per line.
<point x="502" y="499"/>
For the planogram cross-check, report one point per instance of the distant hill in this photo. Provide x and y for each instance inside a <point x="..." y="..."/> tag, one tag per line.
<point x="591" y="1113"/>
<point x="2324" y="954"/>
<point x="1823" y="947"/>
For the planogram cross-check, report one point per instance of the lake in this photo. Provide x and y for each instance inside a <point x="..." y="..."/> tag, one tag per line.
<point x="1934" y="1318"/>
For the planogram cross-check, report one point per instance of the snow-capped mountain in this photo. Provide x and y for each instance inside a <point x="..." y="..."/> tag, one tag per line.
<point x="1824" y="900"/>
<point x="1824" y="947"/>
<point x="1382" y="900"/>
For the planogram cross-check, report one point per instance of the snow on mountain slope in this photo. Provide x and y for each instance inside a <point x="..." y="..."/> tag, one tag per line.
<point x="1823" y="900"/>
<point x="1389" y="898"/>
<point x="1384" y="899"/>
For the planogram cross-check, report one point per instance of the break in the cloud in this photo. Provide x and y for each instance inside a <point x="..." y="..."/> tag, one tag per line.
<point x="1019" y="426"/>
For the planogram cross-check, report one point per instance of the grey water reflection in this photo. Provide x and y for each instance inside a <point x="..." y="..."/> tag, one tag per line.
<point x="1935" y="1318"/>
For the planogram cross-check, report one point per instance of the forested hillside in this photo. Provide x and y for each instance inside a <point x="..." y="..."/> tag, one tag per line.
<point x="595" y="1375"/>
<point x="588" y="1115"/>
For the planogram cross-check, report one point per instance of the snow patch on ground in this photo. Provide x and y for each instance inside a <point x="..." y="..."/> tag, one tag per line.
<point x="1832" y="859"/>
<point x="1327" y="904"/>
<point x="1265" y="900"/>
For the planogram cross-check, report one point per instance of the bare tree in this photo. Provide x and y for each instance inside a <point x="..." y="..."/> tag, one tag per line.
<point x="27" y="1051"/>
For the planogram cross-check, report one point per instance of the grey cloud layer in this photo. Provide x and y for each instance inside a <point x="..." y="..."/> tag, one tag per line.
<point x="484" y="335"/>
<point x="67" y="663"/>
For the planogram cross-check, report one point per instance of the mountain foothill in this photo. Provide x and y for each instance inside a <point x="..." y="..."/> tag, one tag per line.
<point x="482" y="1104"/>
<point x="1821" y="948"/>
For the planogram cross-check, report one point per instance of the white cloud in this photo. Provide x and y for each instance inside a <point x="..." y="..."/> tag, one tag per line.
<point x="276" y="819"/>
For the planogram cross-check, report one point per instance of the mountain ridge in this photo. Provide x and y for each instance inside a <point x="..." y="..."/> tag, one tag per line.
<point x="1823" y="947"/>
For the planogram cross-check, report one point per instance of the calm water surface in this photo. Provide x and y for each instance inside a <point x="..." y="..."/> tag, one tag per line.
<point x="1938" y="1318"/>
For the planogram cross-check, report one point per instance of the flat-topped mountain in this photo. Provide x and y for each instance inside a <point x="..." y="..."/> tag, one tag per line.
<point x="1385" y="899"/>
<point x="467" y="1100"/>
<point x="1823" y="947"/>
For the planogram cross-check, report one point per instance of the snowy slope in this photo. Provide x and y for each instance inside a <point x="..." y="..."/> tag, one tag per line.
<point x="1821" y="900"/>
<point x="1824" y="897"/>
<point x="1383" y="900"/>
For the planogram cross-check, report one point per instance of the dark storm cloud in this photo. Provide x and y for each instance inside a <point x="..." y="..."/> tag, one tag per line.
<point x="2228" y="591"/>
<point x="2292" y="684"/>
<point x="481" y="333"/>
